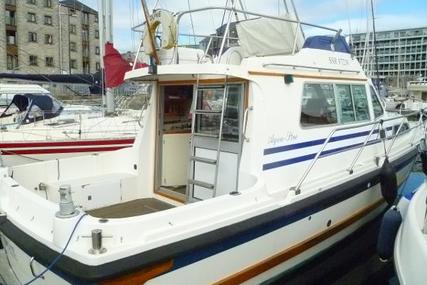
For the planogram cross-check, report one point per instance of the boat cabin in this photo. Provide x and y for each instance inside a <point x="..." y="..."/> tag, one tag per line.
<point x="28" y="108"/>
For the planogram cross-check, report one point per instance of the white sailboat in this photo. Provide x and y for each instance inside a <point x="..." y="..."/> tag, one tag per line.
<point x="34" y="126"/>
<point x="247" y="165"/>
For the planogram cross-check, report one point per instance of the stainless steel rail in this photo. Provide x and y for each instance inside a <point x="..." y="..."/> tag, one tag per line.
<point x="297" y="188"/>
<point x="244" y="12"/>
<point x="312" y="67"/>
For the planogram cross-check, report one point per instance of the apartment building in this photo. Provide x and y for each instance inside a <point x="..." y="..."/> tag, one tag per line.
<point x="48" y="36"/>
<point x="402" y="54"/>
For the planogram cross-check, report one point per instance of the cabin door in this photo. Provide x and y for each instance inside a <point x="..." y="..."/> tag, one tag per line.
<point x="174" y="133"/>
<point x="207" y="168"/>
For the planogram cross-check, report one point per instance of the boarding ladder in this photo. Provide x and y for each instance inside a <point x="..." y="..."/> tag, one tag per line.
<point x="194" y="158"/>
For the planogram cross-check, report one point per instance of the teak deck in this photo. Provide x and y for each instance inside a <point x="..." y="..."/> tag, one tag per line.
<point x="130" y="209"/>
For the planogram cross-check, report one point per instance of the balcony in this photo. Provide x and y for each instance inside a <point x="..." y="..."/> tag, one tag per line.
<point x="10" y="5"/>
<point x="10" y="23"/>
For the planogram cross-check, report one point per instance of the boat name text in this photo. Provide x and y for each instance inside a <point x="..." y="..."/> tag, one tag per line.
<point x="277" y="139"/>
<point x="338" y="61"/>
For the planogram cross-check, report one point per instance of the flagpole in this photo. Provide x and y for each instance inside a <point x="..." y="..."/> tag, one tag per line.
<point x="106" y="35"/>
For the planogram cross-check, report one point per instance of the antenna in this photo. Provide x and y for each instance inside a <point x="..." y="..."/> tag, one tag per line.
<point x="375" y="46"/>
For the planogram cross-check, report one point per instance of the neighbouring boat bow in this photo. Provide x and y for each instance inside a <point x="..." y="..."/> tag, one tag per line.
<point x="410" y="251"/>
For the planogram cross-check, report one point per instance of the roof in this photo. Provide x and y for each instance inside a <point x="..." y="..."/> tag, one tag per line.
<point x="22" y="88"/>
<point x="74" y="4"/>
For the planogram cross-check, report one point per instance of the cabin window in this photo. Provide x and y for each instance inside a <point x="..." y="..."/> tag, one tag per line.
<point x="376" y="104"/>
<point x="360" y="102"/>
<point x="346" y="108"/>
<point x="324" y="104"/>
<point x="318" y="105"/>
<point x="211" y="99"/>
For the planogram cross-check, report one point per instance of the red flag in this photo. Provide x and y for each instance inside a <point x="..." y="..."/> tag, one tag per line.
<point x="116" y="66"/>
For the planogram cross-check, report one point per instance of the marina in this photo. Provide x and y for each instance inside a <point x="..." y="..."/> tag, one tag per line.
<point x="255" y="153"/>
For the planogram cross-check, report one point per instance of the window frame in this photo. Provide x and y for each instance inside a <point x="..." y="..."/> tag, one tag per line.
<point x="34" y="62"/>
<point x="32" y="37"/>
<point x="31" y="17"/>
<point x="48" y="22"/>
<point x="334" y="83"/>
<point x="73" y="63"/>
<point x="371" y="87"/>
<point x="48" y="3"/>
<point x="47" y="59"/>
<point x="48" y="39"/>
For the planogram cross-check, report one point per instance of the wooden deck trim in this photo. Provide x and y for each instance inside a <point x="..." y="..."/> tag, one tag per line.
<point x="142" y="276"/>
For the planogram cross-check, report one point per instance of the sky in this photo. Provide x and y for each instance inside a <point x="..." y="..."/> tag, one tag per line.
<point x="349" y="15"/>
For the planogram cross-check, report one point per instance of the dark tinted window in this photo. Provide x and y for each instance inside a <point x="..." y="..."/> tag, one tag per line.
<point x="318" y="105"/>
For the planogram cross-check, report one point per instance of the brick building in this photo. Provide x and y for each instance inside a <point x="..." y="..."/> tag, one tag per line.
<point x="48" y="36"/>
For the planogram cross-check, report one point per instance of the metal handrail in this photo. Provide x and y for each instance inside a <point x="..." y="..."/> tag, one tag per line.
<point x="311" y="67"/>
<point x="182" y="13"/>
<point x="350" y="169"/>
<point x="297" y="188"/>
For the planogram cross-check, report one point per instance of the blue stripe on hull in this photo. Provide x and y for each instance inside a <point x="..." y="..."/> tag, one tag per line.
<point x="289" y="214"/>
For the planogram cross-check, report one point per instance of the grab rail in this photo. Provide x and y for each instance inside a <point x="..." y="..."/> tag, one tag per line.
<point x="180" y="14"/>
<point x="297" y="188"/>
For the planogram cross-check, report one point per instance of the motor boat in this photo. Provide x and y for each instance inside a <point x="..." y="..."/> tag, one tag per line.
<point x="251" y="160"/>
<point x="34" y="126"/>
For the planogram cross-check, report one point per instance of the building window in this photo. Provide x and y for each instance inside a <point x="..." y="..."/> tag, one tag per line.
<point x="48" y="39"/>
<point x="32" y="2"/>
<point x="96" y="34"/>
<point x="71" y="11"/>
<point x="97" y="66"/>
<point x="48" y="20"/>
<point x="33" y="60"/>
<point x="73" y="46"/>
<point x="49" y="61"/>
<point x="48" y="3"/>
<point x="32" y="37"/>
<point x="97" y="50"/>
<point x="31" y="17"/>
<point x="12" y="62"/>
<point x="73" y="29"/>
<point x="73" y="63"/>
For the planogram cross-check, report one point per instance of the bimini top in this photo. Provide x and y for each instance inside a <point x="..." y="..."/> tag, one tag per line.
<point x="331" y="43"/>
<point x="34" y="106"/>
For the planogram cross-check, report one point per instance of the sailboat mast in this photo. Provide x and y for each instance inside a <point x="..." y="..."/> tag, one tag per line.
<point x="375" y="46"/>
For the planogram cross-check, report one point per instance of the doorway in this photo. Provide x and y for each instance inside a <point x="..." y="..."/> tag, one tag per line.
<point x="174" y="149"/>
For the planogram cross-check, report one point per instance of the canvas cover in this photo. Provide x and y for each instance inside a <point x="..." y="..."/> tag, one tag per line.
<point x="338" y="44"/>
<point x="35" y="107"/>
<point x="264" y="37"/>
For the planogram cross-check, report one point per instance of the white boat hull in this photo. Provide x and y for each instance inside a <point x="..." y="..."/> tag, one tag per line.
<point x="258" y="259"/>
<point x="410" y="253"/>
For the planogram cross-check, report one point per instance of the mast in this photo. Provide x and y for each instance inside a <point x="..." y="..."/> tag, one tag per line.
<point x="105" y="22"/>
<point x="375" y="46"/>
<point x="147" y="20"/>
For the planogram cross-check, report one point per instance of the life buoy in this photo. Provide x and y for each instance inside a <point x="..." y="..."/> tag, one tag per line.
<point x="167" y="20"/>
